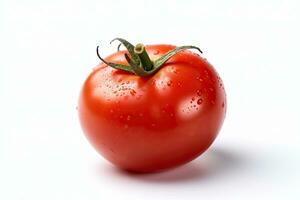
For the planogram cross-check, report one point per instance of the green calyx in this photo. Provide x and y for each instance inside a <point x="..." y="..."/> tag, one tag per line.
<point x="139" y="62"/>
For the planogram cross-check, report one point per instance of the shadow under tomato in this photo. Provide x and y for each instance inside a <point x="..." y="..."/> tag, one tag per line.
<point x="212" y="163"/>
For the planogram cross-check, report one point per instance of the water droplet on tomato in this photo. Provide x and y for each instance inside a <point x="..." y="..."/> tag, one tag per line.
<point x="132" y="92"/>
<point x="193" y="98"/>
<point x="199" y="102"/>
<point x="211" y="89"/>
<point x="128" y="118"/>
<point x="169" y="83"/>
<point x="199" y="93"/>
<point x="223" y="104"/>
<point x="199" y="79"/>
<point x="155" y="52"/>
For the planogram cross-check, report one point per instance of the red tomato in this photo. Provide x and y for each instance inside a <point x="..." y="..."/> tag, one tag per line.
<point x="146" y="124"/>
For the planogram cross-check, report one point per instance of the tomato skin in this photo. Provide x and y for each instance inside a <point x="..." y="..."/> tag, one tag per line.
<point x="147" y="124"/>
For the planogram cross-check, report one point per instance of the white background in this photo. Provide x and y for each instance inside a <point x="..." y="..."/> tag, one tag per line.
<point x="47" y="48"/>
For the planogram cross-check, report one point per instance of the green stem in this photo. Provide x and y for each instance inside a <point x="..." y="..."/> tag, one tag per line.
<point x="140" y="50"/>
<point x="139" y="61"/>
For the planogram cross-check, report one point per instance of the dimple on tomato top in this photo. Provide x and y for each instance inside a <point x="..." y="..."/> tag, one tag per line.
<point x="153" y="107"/>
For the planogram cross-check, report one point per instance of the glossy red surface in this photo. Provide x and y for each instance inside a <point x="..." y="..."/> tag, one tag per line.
<point x="153" y="123"/>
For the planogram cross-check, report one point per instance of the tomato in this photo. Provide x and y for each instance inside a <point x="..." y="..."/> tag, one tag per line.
<point x="150" y="123"/>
